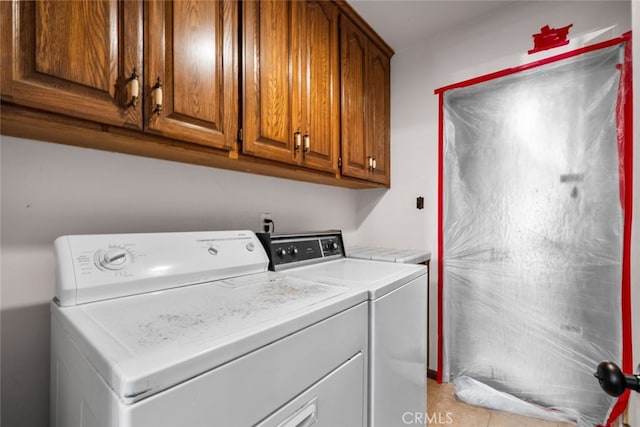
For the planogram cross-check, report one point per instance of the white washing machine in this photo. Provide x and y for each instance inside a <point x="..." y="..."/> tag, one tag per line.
<point x="397" y="296"/>
<point x="191" y="330"/>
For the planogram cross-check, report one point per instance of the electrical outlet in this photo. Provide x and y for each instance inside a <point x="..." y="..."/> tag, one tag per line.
<point x="265" y="224"/>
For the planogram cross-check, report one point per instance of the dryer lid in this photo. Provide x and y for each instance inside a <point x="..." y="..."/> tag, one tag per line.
<point x="378" y="278"/>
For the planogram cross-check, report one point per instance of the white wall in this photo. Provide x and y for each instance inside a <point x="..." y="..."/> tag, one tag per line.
<point x="50" y="190"/>
<point x="634" y="407"/>
<point x="490" y="43"/>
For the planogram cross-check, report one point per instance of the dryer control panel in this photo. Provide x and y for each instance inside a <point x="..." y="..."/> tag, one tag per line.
<point x="294" y="250"/>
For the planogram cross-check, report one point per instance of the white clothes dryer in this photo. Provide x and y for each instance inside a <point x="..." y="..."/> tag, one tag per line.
<point x="191" y="330"/>
<point x="397" y="295"/>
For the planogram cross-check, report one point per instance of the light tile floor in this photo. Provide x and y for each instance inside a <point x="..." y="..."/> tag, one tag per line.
<point x="443" y="409"/>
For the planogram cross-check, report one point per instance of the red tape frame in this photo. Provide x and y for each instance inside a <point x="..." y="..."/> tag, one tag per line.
<point x="624" y="117"/>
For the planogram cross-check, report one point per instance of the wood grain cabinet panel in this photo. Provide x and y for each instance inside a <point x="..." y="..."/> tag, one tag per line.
<point x="268" y="125"/>
<point x="320" y="85"/>
<point x="365" y="97"/>
<point x="73" y="57"/>
<point x="353" y="63"/>
<point x="290" y="103"/>
<point x="378" y="108"/>
<point x="191" y="55"/>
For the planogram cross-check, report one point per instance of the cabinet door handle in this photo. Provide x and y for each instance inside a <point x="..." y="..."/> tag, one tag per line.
<point x="297" y="140"/>
<point x="133" y="86"/>
<point x="370" y="162"/>
<point x="156" y="96"/>
<point x="307" y="143"/>
<point x="374" y="164"/>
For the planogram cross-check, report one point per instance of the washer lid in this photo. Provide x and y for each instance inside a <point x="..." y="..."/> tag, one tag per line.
<point x="377" y="277"/>
<point x="146" y="343"/>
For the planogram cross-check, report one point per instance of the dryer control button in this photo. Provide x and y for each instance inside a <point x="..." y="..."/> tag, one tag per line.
<point x="250" y="246"/>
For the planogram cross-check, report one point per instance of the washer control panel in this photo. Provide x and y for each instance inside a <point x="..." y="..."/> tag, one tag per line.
<point x="294" y="250"/>
<point x="96" y="267"/>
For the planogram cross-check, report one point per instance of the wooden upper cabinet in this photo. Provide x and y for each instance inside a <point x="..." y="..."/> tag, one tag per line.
<point x="320" y="84"/>
<point x="73" y="57"/>
<point x="268" y="123"/>
<point x="303" y="84"/>
<point x="191" y="55"/>
<point x="355" y="154"/>
<point x="291" y="105"/>
<point x="378" y="108"/>
<point x="365" y="97"/>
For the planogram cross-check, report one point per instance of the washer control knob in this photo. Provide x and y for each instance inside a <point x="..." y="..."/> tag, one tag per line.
<point x="112" y="259"/>
<point x="293" y="250"/>
<point x="334" y="245"/>
<point x="250" y="246"/>
<point x="280" y="252"/>
<point x="115" y="257"/>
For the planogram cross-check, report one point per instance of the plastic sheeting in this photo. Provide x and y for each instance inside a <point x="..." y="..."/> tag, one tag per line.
<point x="533" y="233"/>
<point x="476" y="393"/>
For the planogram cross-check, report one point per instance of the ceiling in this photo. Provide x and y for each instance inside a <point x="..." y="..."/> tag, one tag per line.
<point x="403" y="22"/>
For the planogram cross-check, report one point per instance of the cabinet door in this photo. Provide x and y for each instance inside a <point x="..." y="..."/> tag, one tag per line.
<point x="192" y="54"/>
<point x="74" y="57"/>
<point x="353" y="61"/>
<point x="365" y="112"/>
<point x="320" y="100"/>
<point x="271" y="107"/>
<point x="377" y="110"/>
